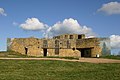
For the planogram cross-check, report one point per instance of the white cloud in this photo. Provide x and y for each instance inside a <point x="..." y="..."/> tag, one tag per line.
<point x="110" y="8"/>
<point x="2" y="12"/>
<point x="115" y="41"/>
<point x="69" y="26"/>
<point x="33" y="24"/>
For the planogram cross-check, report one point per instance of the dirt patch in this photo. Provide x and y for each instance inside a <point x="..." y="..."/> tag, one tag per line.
<point x="98" y="60"/>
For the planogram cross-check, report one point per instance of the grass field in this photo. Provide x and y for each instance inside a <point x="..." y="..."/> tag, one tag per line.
<point x="12" y="54"/>
<point x="57" y="70"/>
<point x="112" y="57"/>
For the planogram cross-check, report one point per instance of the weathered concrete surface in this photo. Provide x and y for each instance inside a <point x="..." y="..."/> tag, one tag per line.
<point x="68" y="45"/>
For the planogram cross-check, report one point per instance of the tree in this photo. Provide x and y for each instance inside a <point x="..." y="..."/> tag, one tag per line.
<point x="119" y="53"/>
<point x="105" y="50"/>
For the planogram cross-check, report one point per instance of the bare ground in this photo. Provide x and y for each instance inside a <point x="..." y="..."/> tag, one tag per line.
<point x="98" y="60"/>
<point x="90" y="60"/>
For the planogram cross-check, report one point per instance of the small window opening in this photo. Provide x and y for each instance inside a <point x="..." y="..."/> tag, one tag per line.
<point x="66" y="36"/>
<point x="71" y="36"/>
<point x="73" y="49"/>
<point x="79" y="36"/>
<point x="26" y="50"/>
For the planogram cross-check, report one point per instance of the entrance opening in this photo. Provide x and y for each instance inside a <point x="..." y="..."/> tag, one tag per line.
<point x="57" y="51"/>
<point x="85" y="52"/>
<point x="26" y="50"/>
<point x="71" y="36"/>
<point x="79" y="37"/>
<point x="45" y="52"/>
<point x="56" y="47"/>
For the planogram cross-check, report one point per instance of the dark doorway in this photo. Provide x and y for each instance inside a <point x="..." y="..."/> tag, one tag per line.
<point x="71" y="36"/>
<point x="56" y="47"/>
<point x="85" y="52"/>
<point x="57" y="51"/>
<point x="26" y="50"/>
<point x="79" y="37"/>
<point x="45" y="52"/>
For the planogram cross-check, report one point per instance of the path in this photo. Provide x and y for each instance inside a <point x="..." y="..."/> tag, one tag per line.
<point x="91" y="60"/>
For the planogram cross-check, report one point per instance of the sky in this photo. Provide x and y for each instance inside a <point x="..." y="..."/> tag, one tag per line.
<point x="47" y="18"/>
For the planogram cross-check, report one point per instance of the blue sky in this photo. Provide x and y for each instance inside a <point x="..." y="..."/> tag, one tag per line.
<point x="100" y="21"/>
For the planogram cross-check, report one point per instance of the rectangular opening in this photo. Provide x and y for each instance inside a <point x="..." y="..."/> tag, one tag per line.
<point x="85" y="52"/>
<point x="56" y="37"/>
<point x="57" y="51"/>
<point x="79" y="36"/>
<point x="56" y="47"/>
<point x="56" y="43"/>
<point x="26" y="50"/>
<point x="66" y="36"/>
<point x="45" y="43"/>
<point x="71" y="36"/>
<point x="45" y="52"/>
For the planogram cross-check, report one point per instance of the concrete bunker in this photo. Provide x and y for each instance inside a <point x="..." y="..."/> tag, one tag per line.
<point x="70" y="45"/>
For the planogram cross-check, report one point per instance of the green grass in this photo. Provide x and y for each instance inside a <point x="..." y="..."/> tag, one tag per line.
<point x="11" y="54"/>
<point x="112" y="57"/>
<point x="57" y="70"/>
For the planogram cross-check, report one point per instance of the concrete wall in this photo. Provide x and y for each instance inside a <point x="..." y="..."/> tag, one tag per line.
<point x="67" y="47"/>
<point x="69" y="53"/>
<point x="32" y="44"/>
<point x="68" y="36"/>
<point x="92" y="43"/>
